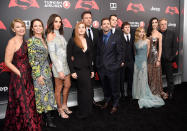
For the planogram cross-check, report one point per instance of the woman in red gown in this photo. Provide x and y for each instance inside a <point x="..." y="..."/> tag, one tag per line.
<point x="21" y="112"/>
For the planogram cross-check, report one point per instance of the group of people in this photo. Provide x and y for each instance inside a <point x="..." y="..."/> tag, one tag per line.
<point x="114" y="53"/>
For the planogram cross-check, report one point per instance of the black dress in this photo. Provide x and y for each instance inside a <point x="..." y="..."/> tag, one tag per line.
<point x="82" y="65"/>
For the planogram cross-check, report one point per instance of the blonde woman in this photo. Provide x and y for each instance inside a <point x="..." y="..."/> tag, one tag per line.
<point x="141" y="88"/>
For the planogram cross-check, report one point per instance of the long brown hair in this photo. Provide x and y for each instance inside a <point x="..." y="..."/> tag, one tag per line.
<point x="137" y="37"/>
<point x="31" y="32"/>
<point x="76" y="38"/>
<point x="50" y="24"/>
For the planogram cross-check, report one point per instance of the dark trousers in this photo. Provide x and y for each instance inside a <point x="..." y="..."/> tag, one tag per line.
<point x="84" y="91"/>
<point x="128" y="75"/>
<point x="122" y="80"/>
<point x="168" y="70"/>
<point x="110" y="84"/>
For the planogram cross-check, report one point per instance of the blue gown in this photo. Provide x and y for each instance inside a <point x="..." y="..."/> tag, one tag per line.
<point x="140" y="89"/>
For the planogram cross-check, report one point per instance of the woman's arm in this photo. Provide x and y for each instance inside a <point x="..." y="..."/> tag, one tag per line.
<point x="148" y="47"/>
<point x="9" y="53"/>
<point x="160" y="48"/>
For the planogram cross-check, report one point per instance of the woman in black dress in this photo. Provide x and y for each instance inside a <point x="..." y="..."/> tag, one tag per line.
<point x="79" y="59"/>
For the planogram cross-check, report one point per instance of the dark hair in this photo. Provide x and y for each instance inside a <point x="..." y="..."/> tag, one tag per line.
<point x="85" y="12"/>
<point x="150" y="27"/>
<point x="112" y="15"/>
<point x="124" y="24"/>
<point x="50" y="24"/>
<point x="104" y="19"/>
<point x="31" y="33"/>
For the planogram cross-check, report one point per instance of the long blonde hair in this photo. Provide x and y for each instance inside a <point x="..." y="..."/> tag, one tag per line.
<point x="138" y="30"/>
<point x="76" y="38"/>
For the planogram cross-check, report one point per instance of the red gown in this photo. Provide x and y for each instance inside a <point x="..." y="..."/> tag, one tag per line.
<point x="21" y="114"/>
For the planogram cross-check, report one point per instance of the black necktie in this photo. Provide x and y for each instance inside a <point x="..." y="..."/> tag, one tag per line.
<point x="89" y="35"/>
<point x="128" y="39"/>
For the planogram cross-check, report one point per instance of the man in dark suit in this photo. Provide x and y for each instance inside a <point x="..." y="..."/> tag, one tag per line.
<point x="128" y="69"/>
<point x="169" y="52"/>
<point x="117" y="31"/>
<point x="108" y="62"/>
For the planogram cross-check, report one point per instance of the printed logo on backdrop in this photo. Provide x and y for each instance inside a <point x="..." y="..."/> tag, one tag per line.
<point x="155" y="9"/>
<point x="136" y="24"/>
<point x="182" y="11"/>
<point x="135" y="7"/>
<point x="2" y="26"/>
<point x="57" y="4"/>
<point x="27" y="23"/>
<point x="66" y="4"/>
<point x="172" y="10"/>
<point x="172" y="24"/>
<point x="142" y="24"/>
<point x="23" y="4"/>
<point x="113" y="6"/>
<point x="87" y="5"/>
<point x="4" y="89"/>
<point x="66" y="23"/>
<point x="4" y="68"/>
<point x="95" y="24"/>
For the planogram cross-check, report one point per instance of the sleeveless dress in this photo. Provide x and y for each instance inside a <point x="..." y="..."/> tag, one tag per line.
<point x="140" y="89"/>
<point x="57" y="50"/>
<point x="38" y="59"/>
<point x="21" y="114"/>
<point x="154" y="73"/>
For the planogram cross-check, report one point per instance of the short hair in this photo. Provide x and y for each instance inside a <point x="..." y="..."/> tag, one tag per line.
<point x="112" y="15"/>
<point x="163" y="19"/>
<point x="124" y="24"/>
<point x="85" y="12"/>
<point x="106" y="18"/>
<point x="19" y="21"/>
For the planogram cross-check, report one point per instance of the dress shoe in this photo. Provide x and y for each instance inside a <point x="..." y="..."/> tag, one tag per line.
<point x="113" y="110"/>
<point x="104" y="106"/>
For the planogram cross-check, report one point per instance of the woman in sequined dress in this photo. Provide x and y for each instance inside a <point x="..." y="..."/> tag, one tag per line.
<point x="154" y="65"/>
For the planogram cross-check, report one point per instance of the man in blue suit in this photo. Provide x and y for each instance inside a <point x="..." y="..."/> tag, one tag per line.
<point x="108" y="62"/>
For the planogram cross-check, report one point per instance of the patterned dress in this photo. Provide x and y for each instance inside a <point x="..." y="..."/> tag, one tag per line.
<point x="154" y="73"/>
<point x="140" y="89"/>
<point x="38" y="59"/>
<point x="21" y="114"/>
<point x="57" y="50"/>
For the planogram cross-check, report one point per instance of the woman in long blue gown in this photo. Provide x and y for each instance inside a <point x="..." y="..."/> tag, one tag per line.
<point x="141" y="90"/>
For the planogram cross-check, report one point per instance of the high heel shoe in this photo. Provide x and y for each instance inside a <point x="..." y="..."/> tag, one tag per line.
<point x="66" y="110"/>
<point x="164" y="95"/>
<point x="62" y="113"/>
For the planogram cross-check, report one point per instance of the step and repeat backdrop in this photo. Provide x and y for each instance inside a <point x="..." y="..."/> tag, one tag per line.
<point x="133" y="11"/>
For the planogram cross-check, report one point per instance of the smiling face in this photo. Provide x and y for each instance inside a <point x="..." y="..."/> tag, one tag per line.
<point x="19" y="28"/>
<point x="57" y="23"/>
<point x="81" y="29"/>
<point x="155" y="24"/>
<point x="106" y="26"/>
<point x="113" y="21"/>
<point x="37" y="27"/>
<point x="141" y="33"/>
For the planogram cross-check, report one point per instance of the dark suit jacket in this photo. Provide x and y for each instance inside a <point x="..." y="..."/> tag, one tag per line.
<point x="169" y="45"/>
<point x="110" y="55"/>
<point x="129" y="49"/>
<point x="81" y="59"/>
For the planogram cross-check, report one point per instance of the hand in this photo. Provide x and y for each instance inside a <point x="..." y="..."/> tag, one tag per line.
<point x="92" y="74"/>
<point x="122" y="64"/>
<point x="74" y="75"/>
<point x="61" y="75"/>
<point x="157" y="63"/>
<point x="72" y="58"/>
<point x="41" y="80"/>
<point x="177" y="52"/>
